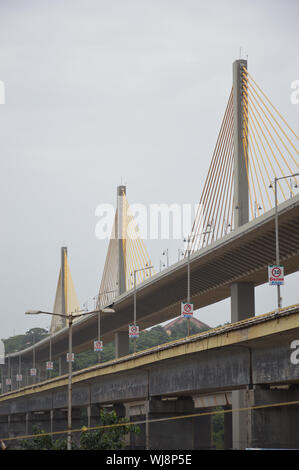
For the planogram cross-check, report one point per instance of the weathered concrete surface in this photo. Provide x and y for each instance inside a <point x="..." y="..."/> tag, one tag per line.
<point x="215" y="370"/>
<point x="241" y="357"/>
<point x="272" y="363"/>
<point x="124" y="386"/>
<point x="275" y="427"/>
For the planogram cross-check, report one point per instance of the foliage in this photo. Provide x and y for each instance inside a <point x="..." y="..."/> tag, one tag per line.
<point x="101" y="439"/>
<point x="110" y="438"/>
<point x="19" y="342"/>
<point x="181" y="330"/>
<point x="147" y="339"/>
<point x="43" y="442"/>
<point x="218" y="429"/>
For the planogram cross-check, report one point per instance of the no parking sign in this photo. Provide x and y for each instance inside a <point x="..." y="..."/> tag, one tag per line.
<point x="186" y="309"/>
<point x="276" y="275"/>
<point x="98" y="346"/>
<point x="133" y="331"/>
<point x="49" y="365"/>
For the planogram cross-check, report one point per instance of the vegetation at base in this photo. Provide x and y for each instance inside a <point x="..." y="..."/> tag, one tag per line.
<point x="110" y="438"/>
<point x="218" y="429"/>
<point x="98" y="439"/>
<point x="45" y="442"/>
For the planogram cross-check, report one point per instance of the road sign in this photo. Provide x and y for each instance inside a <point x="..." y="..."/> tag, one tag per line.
<point x="187" y="310"/>
<point x="33" y="372"/>
<point x="19" y="377"/>
<point x="67" y="357"/>
<point x="98" y="346"/>
<point x="133" y="331"/>
<point x="276" y="275"/>
<point x="49" y="365"/>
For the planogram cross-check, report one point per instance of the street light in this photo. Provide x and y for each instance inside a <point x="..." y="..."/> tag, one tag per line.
<point x="71" y="316"/>
<point x="276" y="179"/>
<point x="136" y="271"/>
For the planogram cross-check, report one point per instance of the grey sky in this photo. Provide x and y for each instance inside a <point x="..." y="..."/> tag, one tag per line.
<point x="101" y="90"/>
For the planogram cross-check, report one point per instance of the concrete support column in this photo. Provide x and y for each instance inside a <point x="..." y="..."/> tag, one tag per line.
<point x="41" y="371"/>
<point x="58" y="422"/>
<point x="40" y="419"/>
<point x="63" y="366"/>
<point x="137" y="411"/>
<point x="275" y="427"/>
<point x="242" y="301"/>
<point x="242" y="307"/>
<point x="77" y="423"/>
<point x="180" y="434"/>
<point x="16" y="427"/>
<point x="93" y="415"/>
<point x="239" y="419"/>
<point x="121" y="342"/>
<point x="228" y="431"/>
<point x="3" y="426"/>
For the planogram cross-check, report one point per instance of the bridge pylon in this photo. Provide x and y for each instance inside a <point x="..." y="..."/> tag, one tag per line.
<point x="66" y="300"/>
<point x="126" y="255"/>
<point x="242" y="293"/>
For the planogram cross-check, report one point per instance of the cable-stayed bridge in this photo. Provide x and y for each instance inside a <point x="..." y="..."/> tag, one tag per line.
<point x="233" y="240"/>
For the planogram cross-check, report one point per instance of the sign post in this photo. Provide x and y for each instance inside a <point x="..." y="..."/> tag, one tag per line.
<point x="98" y="346"/>
<point x="133" y="331"/>
<point x="276" y="275"/>
<point x="68" y="357"/>
<point x="2" y="352"/>
<point x="187" y="309"/>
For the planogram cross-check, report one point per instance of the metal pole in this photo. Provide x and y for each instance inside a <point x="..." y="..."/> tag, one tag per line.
<point x="19" y="385"/>
<point x="50" y="358"/>
<point x="134" y="308"/>
<point x="188" y="288"/>
<point x="69" y="414"/>
<point x="9" y="372"/>
<point x="277" y="241"/>
<point x="63" y="285"/>
<point x="99" y="333"/>
<point x="35" y="377"/>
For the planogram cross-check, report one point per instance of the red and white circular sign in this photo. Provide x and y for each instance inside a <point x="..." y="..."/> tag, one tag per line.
<point x="133" y="331"/>
<point x="187" y="309"/>
<point x="276" y="271"/>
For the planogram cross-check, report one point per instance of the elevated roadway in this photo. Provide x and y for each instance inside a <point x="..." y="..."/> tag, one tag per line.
<point x="241" y="256"/>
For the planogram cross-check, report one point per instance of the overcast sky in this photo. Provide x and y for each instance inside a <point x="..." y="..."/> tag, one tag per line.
<point x="103" y="92"/>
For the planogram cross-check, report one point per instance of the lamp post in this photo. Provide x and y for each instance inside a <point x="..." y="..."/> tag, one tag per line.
<point x="276" y="179"/>
<point x="70" y="317"/>
<point x="136" y="271"/>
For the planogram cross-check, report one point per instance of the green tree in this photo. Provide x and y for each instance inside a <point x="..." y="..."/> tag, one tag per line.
<point x="43" y="441"/>
<point x="19" y="342"/>
<point x="111" y="438"/>
<point x="218" y="429"/>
